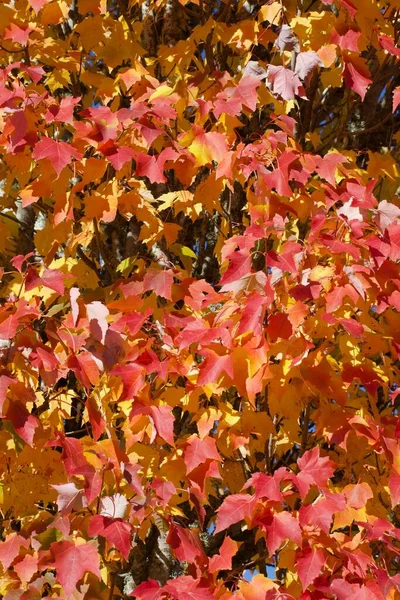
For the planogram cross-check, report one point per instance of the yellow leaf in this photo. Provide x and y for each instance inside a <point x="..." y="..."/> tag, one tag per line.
<point x="271" y="13"/>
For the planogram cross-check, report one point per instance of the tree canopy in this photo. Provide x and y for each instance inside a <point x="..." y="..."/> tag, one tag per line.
<point x="200" y="299"/>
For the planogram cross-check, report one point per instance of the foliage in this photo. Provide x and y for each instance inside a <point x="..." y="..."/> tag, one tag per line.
<point x="199" y="326"/>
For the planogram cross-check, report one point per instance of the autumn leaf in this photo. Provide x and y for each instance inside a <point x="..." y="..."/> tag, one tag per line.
<point x="59" y="154"/>
<point x="73" y="561"/>
<point x="285" y="82"/>
<point x="309" y="564"/>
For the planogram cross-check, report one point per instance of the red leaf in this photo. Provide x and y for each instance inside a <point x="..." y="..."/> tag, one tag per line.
<point x="17" y="34"/>
<point x="58" y="153"/>
<point x="223" y="560"/>
<point x="148" y="590"/>
<point x="50" y="278"/>
<point x="85" y="368"/>
<point x="116" y="531"/>
<point x="187" y="588"/>
<point x="355" y="79"/>
<point x="72" y="562"/>
<point x="9" y="549"/>
<point x="197" y="451"/>
<point x="265" y="486"/>
<point x="164" y="422"/>
<point x="5" y="383"/>
<point x="95" y="417"/>
<point x="24" y="423"/>
<point x="314" y="470"/>
<point x="239" y="266"/>
<point x="253" y="315"/>
<point x="352" y="326"/>
<point x="121" y="156"/>
<point x="320" y="513"/>
<point x="234" y="509"/>
<point x="279" y="177"/>
<point x="387" y="43"/>
<point x="327" y="165"/>
<point x="284" y="526"/>
<point x="309" y="564"/>
<point x="153" y="166"/>
<point x="394" y="487"/>
<point x="184" y="543"/>
<point x="213" y="366"/>
<point x="8" y="327"/>
<point x="346" y="38"/>
<point x="357" y="495"/>
<point x="159" y="281"/>
<point x="132" y="377"/>
<point x="246" y="92"/>
<point x="106" y="123"/>
<point x="396" y="98"/>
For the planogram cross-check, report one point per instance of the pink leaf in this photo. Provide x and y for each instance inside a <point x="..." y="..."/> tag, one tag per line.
<point x="159" y="281"/>
<point x="234" y="509"/>
<point x="60" y="154"/>
<point x="72" y="562"/>
<point x="223" y="560"/>
<point x="117" y="532"/>
<point x="309" y="564"/>
<point x="285" y="82"/>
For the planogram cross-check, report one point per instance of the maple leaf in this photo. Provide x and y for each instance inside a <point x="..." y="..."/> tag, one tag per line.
<point x="223" y="560"/>
<point x="246" y="92"/>
<point x="116" y="531"/>
<point x="327" y="165"/>
<point x="132" y="377"/>
<point x="153" y="166"/>
<point x="321" y="512"/>
<point x="306" y="63"/>
<point x="185" y="544"/>
<point x="254" y="69"/>
<point x="198" y="451"/>
<point x="309" y="564"/>
<point x="18" y="34"/>
<point x="287" y="40"/>
<point x="208" y="147"/>
<point x="279" y="177"/>
<point x="265" y="486"/>
<point x="69" y="498"/>
<point x="314" y="470"/>
<point x="9" y="548"/>
<point x="279" y="527"/>
<point x="188" y="588"/>
<point x="234" y="509"/>
<point x="394" y="487"/>
<point x="396" y="99"/>
<point x="106" y="123"/>
<point x="213" y="366"/>
<point x="239" y="266"/>
<point x="49" y="278"/>
<point x="97" y="314"/>
<point x="113" y="506"/>
<point x="159" y="281"/>
<point x="72" y="562"/>
<point x="285" y="82"/>
<point x="386" y="214"/>
<point x="148" y="590"/>
<point x="356" y="79"/>
<point x="60" y="154"/>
